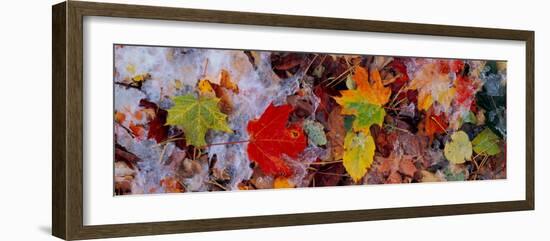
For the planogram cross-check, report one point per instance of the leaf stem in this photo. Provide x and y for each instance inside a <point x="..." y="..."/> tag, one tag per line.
<point x="225" y="143"/>
<point x="170" y="140"/>
<point x="339" y="76"/>
<point x="332" y="174"/>
<point x="162" y="153"/>
<point x="126" y="129"/>
<point x="325" y="163"/>
<point x="216" y="184"/>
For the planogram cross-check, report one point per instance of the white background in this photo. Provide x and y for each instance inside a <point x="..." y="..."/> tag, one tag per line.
<point x="25" y="121"/>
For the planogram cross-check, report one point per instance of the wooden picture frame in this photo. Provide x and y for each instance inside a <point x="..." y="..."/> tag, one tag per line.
<point x="67" y="150"/>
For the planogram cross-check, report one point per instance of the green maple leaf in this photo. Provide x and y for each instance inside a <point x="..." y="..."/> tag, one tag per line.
<point x="486" y="142"/>
<point x="366" y="115"/>
<point x="196" y="116"/>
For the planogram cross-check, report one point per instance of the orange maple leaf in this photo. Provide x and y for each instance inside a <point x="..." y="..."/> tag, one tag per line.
<point x="375" y="92"/>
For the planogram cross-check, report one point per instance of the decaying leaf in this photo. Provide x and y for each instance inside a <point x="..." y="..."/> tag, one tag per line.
<point x="226" y="82"/>
<point x="315" y="133"/>
<point x="434" y="85"/>
<point x="171" y="185"/>
<point x="336" y="133"/>
<point x="459" y="149"/>
<point x="431" y="177"/>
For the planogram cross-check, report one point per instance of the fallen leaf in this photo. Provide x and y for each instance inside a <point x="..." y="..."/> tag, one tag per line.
<point x="315" y="133"/>
<point x="120" y="117"/>
<point x="365" y="103"/>
<point x="459" y="149"/>
<point x="433" y="85"/>
<point x="271" y="138"/>
<point x="282" y="182"/>
<point x="225" y="81"/>
<point x="358" y="154"/>
<point x="434" y="124"/>
<point x="430" y="177"/>
<point x="394" y="178"/>
<point x="407" y="167"/>
<point x="196" y="116"/>
<point x="486" y="143"/>
<point x="157" y="123"/>
<point x="171" y="185"/>
<point x="205" y="87"/>
<point x="336" y="133"/>
<point x="374" y="93"/>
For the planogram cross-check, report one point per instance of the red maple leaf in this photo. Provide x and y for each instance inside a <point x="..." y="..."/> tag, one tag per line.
<point x="271" y="137"/>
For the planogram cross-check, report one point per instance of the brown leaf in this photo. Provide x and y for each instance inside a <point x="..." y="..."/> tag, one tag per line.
<point x="189" y="168"/>
<point x="336" y="171"/>
<point x="407" y="167"/>
<point x="123" y="155"/>
<point x="124" y="176"/>
<point x="220" y="174"/>
<point x="226" y="82"/>
<point x="336" y="133"/>
<point x="287" y="61"/>
<point x="158" y="130"/>
<point x="394" y="178"/>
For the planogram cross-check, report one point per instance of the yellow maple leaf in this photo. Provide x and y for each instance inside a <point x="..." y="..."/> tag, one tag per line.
<point x="358" y="154"/>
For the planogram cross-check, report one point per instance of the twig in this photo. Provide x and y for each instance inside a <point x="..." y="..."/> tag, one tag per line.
<point x="170" y="140"/>
<point x="162" y="153"/>
<point x="225" y="143"/>
<point x="332" y="174"/>
<point x="440" y="126"/>
<point x="126" y="129"/>
<point x="310" y="63"/>
<point x="325" y="163"/>
<point x="338" y="77"/>
<point x="398" y="102"/>
<point x="216" y="184"/>
<point x="205" y="68"/>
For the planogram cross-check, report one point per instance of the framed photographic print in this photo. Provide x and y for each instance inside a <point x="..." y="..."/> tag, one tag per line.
<point x="171" y="120"/>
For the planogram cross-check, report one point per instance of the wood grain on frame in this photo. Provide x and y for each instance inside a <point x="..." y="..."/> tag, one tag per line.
<point x="67" y="119"/>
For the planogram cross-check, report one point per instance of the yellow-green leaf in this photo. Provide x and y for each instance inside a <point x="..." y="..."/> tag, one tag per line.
<point x="459" y="149"/>
<point x="196" y="116"/>
<point x="358" y="154"/>
<point x="486" y="143"/>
